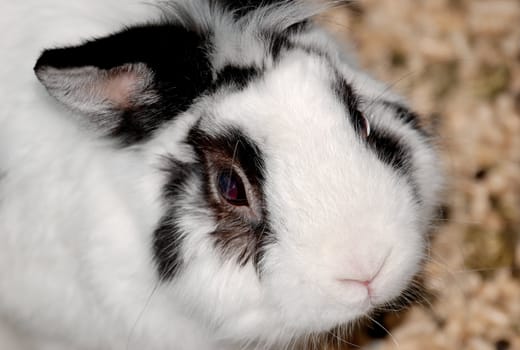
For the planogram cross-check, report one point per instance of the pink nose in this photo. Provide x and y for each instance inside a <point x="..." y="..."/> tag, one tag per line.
<point x="363" y="277"/>
<point x="365" y="283"/>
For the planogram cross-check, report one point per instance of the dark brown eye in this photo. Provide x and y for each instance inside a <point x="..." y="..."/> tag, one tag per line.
<point x="365" y="129"/>
<point x="362" y="125"/>
<point x="231" y="188"/>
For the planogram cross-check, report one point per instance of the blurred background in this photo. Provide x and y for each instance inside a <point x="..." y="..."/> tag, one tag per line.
<point x="458" y="63"/>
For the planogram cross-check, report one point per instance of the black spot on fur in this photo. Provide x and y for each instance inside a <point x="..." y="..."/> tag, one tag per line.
<point x="387" y="146"/>
<point x="299" y="27"/>
<point x="166" y="247"/>
<point x="176" y="57"/>
<point x="242" y="7"/>
<point x="167" y="237"/>
<point x="264" y="237"/>
<point x="390" y="150"/>
<point x="236" y="76"/>
<point x="351" y="101"/>
<point x="395" y="153"/>
<point x="161" y="47"/>
<point x="178" y="172"/>
<point x="277" y="42"/>
<point x="138" y="125"/>
<point x="406" y="116"/>
<point x="235" y="236"/>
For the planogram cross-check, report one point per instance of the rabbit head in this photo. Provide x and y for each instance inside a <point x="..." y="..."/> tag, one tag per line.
<point x="296" y="191"/>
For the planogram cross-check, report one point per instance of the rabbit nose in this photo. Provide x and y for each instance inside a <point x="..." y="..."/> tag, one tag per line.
<point x="363" y="276"/>
<point x="364" y="283"/>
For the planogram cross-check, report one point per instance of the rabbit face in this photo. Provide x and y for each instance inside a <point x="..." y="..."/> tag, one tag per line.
<point x="294" y="210"/>
<point x="296" y="191"/>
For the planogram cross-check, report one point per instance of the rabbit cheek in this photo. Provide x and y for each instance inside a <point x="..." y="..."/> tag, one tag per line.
<point x="169" y="234"/>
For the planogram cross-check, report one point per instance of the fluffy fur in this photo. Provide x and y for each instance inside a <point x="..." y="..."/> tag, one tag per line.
<point x="113" y="234"/>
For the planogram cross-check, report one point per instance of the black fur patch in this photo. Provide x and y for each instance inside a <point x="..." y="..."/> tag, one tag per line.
<point x="175" y="55"/>
<point x="236" y="76"/>
<point x="167" y="237"/>
<point x="242" y="7"/>
<point x="178" y="172"/>
<point x="390" y="150"/>
<point x="164" y="48"/>
<point x="299" y="27"/>
<point x="277" y="42"/>
<point x="166" y="247"/>
<point x="235" y="236"/>
<point x="406" y="116"/>
<point x="351" y="101"/>
<point x="139" y="124"/>
<point x="393" y="152"/>
<point x="386" y="145"/>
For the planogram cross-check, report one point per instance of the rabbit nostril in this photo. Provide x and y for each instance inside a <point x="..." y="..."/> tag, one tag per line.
<point x="362" y="282"/>
<point x="365" y="283"/>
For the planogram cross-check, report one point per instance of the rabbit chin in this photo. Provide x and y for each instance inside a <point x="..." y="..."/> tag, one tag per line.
<point x="271" y="329"/>
<point x="303" y="311"/>
<point x="314" y="304"/>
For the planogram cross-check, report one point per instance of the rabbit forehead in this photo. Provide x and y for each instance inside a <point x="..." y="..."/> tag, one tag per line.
<point x="315" y="162"/>
<point x="284" y="106"/>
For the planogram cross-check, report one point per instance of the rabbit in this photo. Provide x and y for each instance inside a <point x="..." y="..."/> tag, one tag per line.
<point x="203" y="174"/>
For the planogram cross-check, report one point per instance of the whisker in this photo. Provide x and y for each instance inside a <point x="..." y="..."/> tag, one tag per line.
<point x="389" y="87"/>
<point x="141" y="314"/>
<point x="463" y="222"/>
<point x="343" y="341"/>
<point x="386" y="330"/>
<point x="235" y="149"/>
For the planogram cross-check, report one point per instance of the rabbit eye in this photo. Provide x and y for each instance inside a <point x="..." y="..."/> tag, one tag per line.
<point x="231" y="188"/>
<point x="364" y="127"/>
<point x="361" y="124"/>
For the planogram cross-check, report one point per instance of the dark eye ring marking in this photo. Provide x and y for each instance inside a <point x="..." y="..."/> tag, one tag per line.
<point x="388" y="146"/>
<point x="168" y="235"/>
<point x="233" y="179"/>
<point x="345" y="92"/>
<point x="406" y="116"/>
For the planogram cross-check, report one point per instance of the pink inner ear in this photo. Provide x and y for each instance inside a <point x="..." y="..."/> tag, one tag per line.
<point x="97" y="91"/>
<point x="124" y="86"/>
<point x="119" y="89"/>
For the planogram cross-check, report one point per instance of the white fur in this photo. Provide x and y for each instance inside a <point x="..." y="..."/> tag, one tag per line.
<point x="76" y="213"/>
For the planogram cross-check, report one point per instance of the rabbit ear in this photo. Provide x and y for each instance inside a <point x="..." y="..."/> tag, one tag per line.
<point x="94" y="91"/>
<point x="121" y="83"/>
